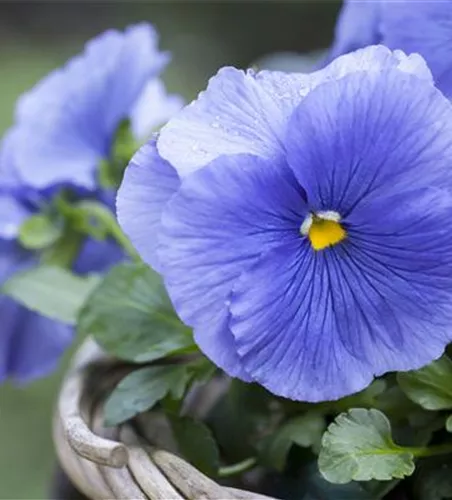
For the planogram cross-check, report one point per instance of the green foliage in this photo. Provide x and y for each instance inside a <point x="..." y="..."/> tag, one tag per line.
<point x="449" y="423"/>
<point x="131" y="317"/>
<point x="51" y="291"/>
<point x="111" y="171"/>
<point x="39" y="231"/>
<point x="431" y="386"/>
<point x="142" y="389"/>
<point x="358" y="446"/>
<point x="304" y="430"/>
<point x="196" y="443"/>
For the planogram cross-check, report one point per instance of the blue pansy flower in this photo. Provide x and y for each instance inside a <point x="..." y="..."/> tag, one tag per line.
<point x="66" y="124"/>
<point x="300" y="222"/>
<point x="409" y="25"/>
<point x="63" y="128"/>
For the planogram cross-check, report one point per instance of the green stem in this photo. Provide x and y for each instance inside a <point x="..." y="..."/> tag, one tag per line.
<point x="108" y="219"/>
<point x="430" y="451"/>
<point x="103" y="215"/>
<point x="238" y="468"/>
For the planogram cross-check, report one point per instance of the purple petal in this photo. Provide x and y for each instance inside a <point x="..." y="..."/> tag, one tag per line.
<point x="376" y="59"/>
<point x="240" y="112"/>
<point x="317" y="326"/>
<point x="12" y="215"/>
<point x="370" y="136"/>
<point x="376" y="148"/>
<point x="97" y="256"/>
<point x="30" y="345"/>
<point x="248" y="112"/>
<point x="10" y="180"/>
<point x="283" y="319"/>
<point x="148" y="184"/>
<point x="219" y="221"/>
<point x="425" y="28"/>
<point x="357" y="26"/>
<point x="67" y="122"/>
<point x="153" y="108"/>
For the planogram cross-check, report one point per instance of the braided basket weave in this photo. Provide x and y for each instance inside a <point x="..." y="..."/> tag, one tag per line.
<point x="121" y="462"/>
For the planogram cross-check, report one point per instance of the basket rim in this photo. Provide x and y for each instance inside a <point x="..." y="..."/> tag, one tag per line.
<point x="117" y="462"/>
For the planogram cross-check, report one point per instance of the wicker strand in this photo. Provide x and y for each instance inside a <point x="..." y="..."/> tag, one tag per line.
<point x="117" y="463"/>
<point x="146" y="473"/>
<point x="81" y="439"/>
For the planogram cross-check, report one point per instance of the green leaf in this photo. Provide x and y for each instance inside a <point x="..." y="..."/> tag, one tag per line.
<point x="39" y="231"/>
<point x="431" y="386"/>
<point x="51" y="291"/>
<point x="142" y="389"/>
<point x="111" y="171"/>
<point x="131" y="317"/>
<point x="196" y="443"/>
<point x="124" y="145"/>
<point x="358" y="446"/>
<point x="64" y="252"/>
<point x="449" y="423"/>
<point x="305" y="431"/>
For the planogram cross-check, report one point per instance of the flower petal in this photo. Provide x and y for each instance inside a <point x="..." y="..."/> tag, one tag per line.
<point x="219" y="221"/>
<point x="30" y="345"/>
<point x="248" y="112"/>
<point x="97" y="256"/>
<point x="283" y="318"/>
<point x="369" y="136"/>
<point x="66" y="123"/>
<point x="148" y="184"/>
<point x="12" y="216"/>
<point x="240" y="112"/>
<point x="10" y="181"/>
<point x="317" y="326"/>
<point x="375" y="147"/>
<point x="153" y="108"/>
<point x="426" y="29"/>
<point x="357" y="26"/>
<point x="376" y="59"/>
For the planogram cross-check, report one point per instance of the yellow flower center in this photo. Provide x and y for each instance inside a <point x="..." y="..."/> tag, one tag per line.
<point x="323" y="229"/>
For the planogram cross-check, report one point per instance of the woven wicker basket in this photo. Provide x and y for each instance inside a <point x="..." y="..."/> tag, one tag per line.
<point x="119" y="463"/>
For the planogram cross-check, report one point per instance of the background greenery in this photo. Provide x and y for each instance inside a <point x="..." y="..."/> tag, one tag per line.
<point x="203" y="36"/>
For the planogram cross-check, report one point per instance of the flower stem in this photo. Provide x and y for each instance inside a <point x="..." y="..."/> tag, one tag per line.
<point x="238" y="468"/>
<point x="80" y="213"/>
<point x="431" y="451"/>
<point x="106" y="217"/>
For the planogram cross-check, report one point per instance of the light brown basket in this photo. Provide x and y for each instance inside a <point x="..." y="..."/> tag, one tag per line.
<point x="118" y="463"/>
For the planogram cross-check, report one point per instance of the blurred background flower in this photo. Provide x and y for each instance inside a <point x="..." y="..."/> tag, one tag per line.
<point x="422" y="27"/>
<point x="39" y="37"/>
<point x="64" y="127"/>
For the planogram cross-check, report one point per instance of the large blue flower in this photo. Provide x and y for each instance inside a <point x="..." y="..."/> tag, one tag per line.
<point x="63" y="128"/>
<point x="410" y="25"/>
<point x="304" y="233"/>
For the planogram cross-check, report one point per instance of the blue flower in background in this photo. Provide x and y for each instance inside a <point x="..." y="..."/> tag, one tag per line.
<point x="410" y="25"/>
<point x="300" y="222"/>
<point x="63" y="128"/>
<point x="66" y="124"/>
<point x="30" y="345"/>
